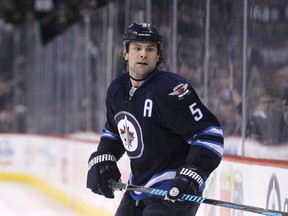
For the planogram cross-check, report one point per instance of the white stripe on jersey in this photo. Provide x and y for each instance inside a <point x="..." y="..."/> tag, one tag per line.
<point x="215" y="147"/>
<point x="108" y="134"/>
<point x="155" y="179"/>
<point x="216" y="131"/>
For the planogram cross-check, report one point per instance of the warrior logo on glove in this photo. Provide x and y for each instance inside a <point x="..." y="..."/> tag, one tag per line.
<point x="192" y="174"/>
<point x="101" y="158"/>
<point x="102" y="168"/>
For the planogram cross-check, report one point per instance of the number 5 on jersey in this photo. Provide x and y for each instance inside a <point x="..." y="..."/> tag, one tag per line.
<point x="196" y="112"/>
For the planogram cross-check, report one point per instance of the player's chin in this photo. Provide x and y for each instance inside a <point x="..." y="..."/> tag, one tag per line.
<point x="143" y="72"/>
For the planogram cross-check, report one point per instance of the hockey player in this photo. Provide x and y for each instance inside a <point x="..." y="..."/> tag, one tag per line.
<point x="173" y="141"/>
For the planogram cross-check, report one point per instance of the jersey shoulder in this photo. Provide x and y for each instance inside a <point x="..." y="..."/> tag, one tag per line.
<point x="170" y="78"/>
<point x="120" y="82"/>
<point x="172" y="84"/>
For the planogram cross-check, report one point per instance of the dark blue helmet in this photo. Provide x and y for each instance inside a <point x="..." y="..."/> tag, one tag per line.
<point x="142" y="32"/>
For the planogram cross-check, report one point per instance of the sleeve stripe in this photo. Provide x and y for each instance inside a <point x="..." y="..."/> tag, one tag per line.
<point x="216" y="131"/>
<point x="109" y="135"/>
<point x="215" y="147"/>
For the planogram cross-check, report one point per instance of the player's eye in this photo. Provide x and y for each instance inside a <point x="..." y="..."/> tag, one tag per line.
<point x="137" y="48"/>
<point x="150" y="49"/>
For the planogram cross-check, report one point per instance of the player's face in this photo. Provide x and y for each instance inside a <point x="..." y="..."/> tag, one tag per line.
<point x="142" y="58"/>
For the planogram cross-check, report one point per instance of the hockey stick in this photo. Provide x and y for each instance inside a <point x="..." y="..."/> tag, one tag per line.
<point x="185" y="197"/>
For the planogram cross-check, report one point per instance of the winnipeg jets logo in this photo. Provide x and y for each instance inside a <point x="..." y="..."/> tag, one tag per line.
<point x="180" y="90"/>
<point x="130" y="133"/>
<point x="126" y="134"/>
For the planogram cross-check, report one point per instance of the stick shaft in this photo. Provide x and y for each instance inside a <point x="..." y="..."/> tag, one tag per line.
<point x="186" y="197"/>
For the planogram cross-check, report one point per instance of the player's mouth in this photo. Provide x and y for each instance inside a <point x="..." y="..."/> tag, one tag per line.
<point x="142" y="63"/>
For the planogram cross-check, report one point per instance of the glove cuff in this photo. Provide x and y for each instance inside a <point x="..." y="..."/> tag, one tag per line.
<point x="99" y="157"/>
<point x="191" y="173"/>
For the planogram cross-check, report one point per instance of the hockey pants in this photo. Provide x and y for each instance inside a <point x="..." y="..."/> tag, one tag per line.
<point x="153" y="206"/>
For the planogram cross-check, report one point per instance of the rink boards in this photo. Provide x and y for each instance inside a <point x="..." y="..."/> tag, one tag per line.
<point x="58" y="167"/>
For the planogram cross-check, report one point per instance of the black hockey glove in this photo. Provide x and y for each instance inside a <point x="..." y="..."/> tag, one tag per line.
<point x="188" y="180"/>
<point x="102" y="168"/>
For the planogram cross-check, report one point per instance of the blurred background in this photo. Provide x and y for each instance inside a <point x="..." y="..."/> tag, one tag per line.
<point x="57" y="58"/>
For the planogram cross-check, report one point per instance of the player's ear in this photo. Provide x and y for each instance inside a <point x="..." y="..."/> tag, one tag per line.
<point x="125" y="54"/>
<point x="158" y="57"/>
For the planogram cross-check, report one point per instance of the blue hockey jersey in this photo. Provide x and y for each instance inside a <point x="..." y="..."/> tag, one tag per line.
<point x="161" y="125"/>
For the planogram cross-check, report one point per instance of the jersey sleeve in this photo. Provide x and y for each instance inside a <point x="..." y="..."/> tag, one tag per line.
<point x="186" y="115"/>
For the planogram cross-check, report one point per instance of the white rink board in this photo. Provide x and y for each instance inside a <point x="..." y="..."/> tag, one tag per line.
<point x="248" y="183"/>
<point x="62" y="162"/>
